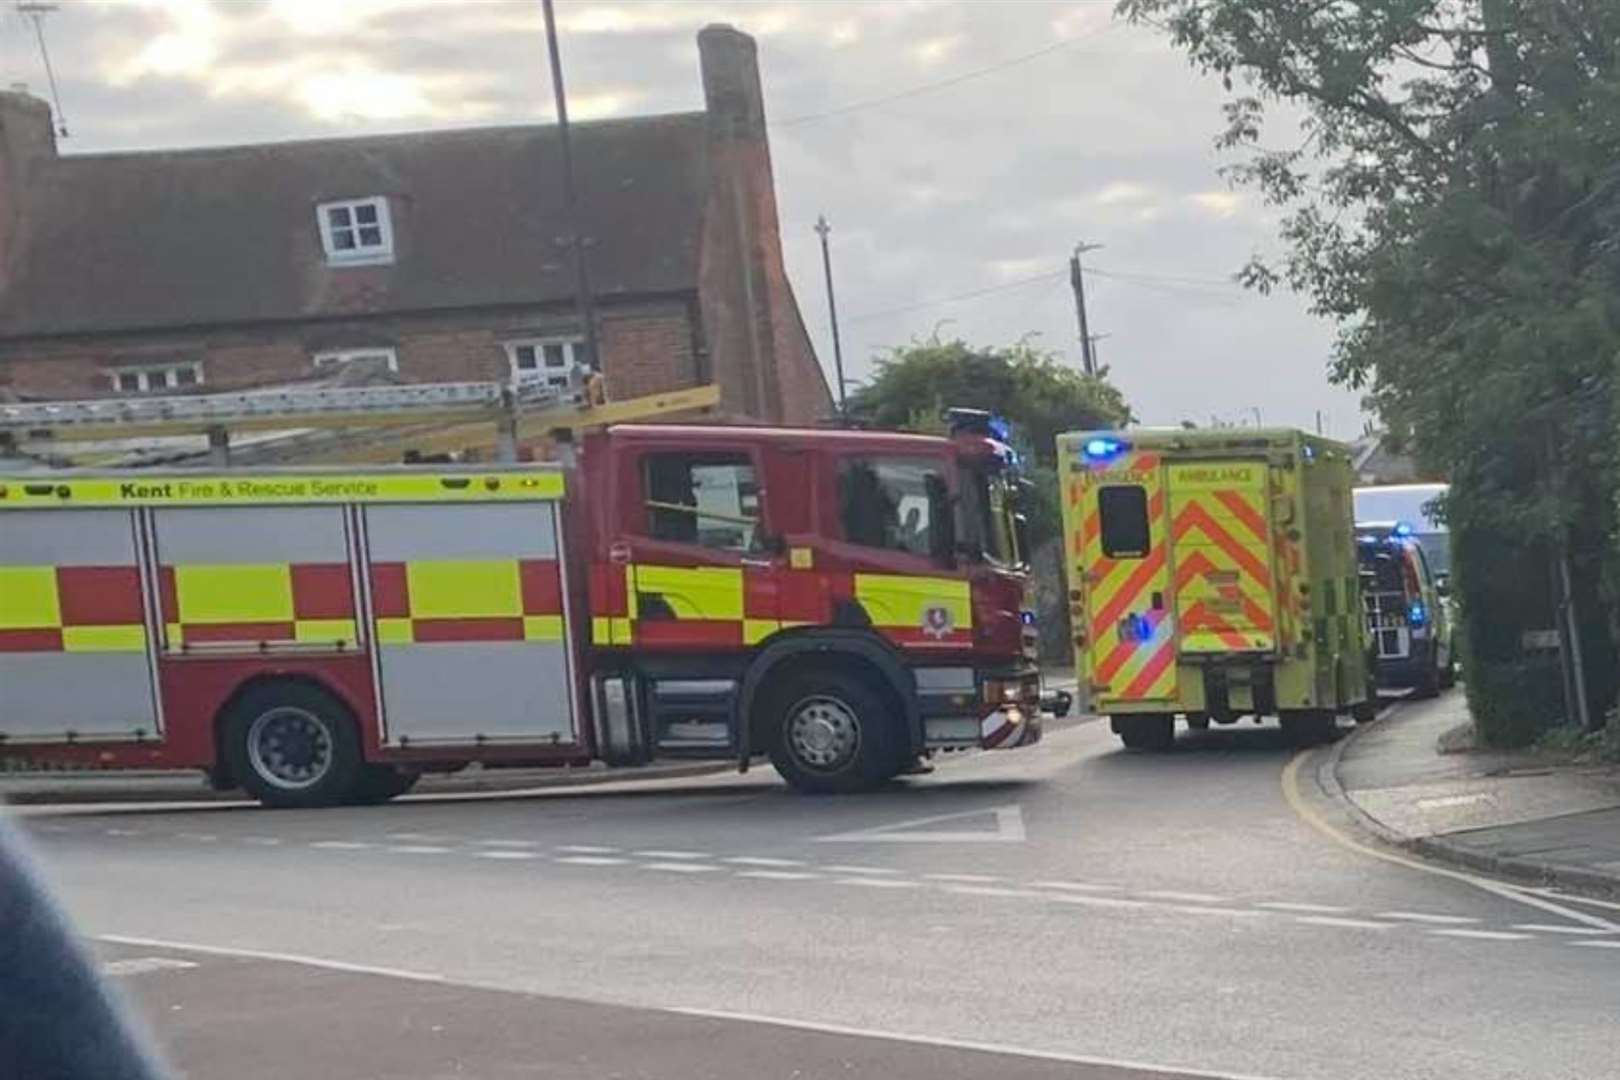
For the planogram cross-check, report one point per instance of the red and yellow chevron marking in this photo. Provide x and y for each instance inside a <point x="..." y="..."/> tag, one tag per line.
<point x="1130" y="648"/>
<point x="1225" y="593"/>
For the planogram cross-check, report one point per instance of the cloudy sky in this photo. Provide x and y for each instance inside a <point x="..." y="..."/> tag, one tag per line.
<point x="959" y="148"/>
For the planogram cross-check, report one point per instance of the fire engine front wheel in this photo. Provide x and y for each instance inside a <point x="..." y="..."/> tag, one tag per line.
<point x="291" y="744"/>
<point x="832" y="732"/>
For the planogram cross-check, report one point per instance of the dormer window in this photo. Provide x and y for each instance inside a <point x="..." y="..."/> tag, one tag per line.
<point x="356" y="231"/>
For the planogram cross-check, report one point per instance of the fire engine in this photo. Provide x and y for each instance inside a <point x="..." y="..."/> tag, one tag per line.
<point x="1214" y="575"/>
<point x="845" y="602"/>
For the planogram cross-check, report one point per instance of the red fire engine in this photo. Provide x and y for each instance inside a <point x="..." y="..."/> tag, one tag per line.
<point x="845" y="602"/>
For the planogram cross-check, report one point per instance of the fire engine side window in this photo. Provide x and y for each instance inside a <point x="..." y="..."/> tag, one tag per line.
<point x="1124" y="510"/>
<point x="707" y="499"/>
<point x="898" y="505"/>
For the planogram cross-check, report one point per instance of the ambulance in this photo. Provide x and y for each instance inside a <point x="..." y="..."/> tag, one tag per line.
<point x="845" y="603"/>
<point x="1212" y="575"/>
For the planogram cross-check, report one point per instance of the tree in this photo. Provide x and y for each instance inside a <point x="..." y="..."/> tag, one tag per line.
<point x="1455" y="206"/>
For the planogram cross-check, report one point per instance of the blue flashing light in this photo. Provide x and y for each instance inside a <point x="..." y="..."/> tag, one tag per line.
<point x="1000" y="429"/>
<point x="1027" y="618"/>
<point x="1401" y="529"/>
<point x="1104" y="448"/>
<point x="1416" y="613"/>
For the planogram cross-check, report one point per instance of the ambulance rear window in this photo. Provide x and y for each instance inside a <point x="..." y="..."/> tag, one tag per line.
<point x="1125" y="533"/>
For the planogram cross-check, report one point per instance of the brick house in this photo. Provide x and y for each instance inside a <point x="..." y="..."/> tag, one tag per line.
<point x="441" y="255"/>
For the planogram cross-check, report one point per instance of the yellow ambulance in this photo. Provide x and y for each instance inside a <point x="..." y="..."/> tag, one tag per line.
<point x="1212" y="576"/>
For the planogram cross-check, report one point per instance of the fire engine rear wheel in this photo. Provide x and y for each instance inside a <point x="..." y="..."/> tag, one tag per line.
<point x="1155" y="731"/>
<point x="833" y="732"/>
<point x="294" y="745"/>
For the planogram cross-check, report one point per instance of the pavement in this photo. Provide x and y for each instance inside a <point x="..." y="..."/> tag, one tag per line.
<point x="1515" y="813"/>
<point x="1069" y="905"/>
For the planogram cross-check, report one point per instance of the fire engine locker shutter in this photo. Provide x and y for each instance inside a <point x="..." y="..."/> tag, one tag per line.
<point x="73" y="647"/>
<point x="472" y="638"/>
<point x="254" y="577"/>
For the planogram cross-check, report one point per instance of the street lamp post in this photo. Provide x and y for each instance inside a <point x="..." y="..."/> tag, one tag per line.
<point x="822" y="229"/>
<point x="583" y="304"/>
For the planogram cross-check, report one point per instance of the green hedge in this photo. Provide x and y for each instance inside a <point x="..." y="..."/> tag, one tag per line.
<point x="1513" y="702"/>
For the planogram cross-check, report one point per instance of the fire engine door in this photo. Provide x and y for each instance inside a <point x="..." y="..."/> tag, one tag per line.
<point x="1124" y="553"/>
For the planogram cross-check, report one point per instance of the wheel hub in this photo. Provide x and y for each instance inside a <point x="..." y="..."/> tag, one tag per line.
<point x="823" y="732"/>
<point x="290" y="748"/>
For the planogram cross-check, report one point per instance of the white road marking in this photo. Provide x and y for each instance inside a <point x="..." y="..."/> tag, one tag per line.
<point x="1355" y="924"/>
<point x="1081" y="900"/>
<point x="591" y="860"/>
<point x="674" y="854"/>
<point x="1483" y="935"/>
<point x="1313" y="909"/>
<point x="966" y="879"/>
<point x="777" y="875"/>
<point x="503" y="854"/>
<point x="680" y="867"/>
<point x="420" y="837"/>
<point x="285" y="958"/>
<point x="1552" y="928"/>
<point x="1009" y="828"/>
<point x="1554" y="894"/>
<point x="418" y="849"/>
<point x="142" y="965"/>
<point x="123" y="832"/>
<point x="761" y="860"/>
<point x="1076" y="886"/>
<point x="993" y="890"/>
<point x="877" y="882"/>
<point x="509" y="843"/>
<point x="587" y="849"/>
<point x="1609" y="944"/>
<point x="1008" y="1050"/>
<point x="1187" y="897"/>
<point x="340" y="845"/>
<point x="859" y="870"/>
<point x="262" y="841"/>
<point x="1236" y="913"/>
<point x="1425" y="917"/>
<point x="203" y="837"/>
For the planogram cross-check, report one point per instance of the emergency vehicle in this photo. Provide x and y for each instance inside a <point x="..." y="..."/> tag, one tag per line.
<point x="1212" y="574"/>
<point x="1408" y="618"/>
<point x="842" y="601"/>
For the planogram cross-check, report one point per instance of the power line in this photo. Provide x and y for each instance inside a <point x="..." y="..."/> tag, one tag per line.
<point x="954" y="80"/>
<point x="976" y="293"/>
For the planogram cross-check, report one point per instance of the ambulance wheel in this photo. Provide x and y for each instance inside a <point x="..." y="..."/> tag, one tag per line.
<point x="291" y="744"/>
<point x="1198" y="721"/>
<point x="1156" y="732"/>
<point x="379" y="783"/>
<point x="833" y="732"/>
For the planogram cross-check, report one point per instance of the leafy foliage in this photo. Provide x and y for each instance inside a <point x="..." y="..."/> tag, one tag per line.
<point x="1455" y="205"/>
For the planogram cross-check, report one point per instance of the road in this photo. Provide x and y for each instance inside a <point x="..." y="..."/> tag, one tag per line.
<point x="1067" y="910"/>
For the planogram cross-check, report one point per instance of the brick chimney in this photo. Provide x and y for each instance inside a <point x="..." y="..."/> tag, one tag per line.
<point x="27" y="141"/>
<point x="760" y="353"/>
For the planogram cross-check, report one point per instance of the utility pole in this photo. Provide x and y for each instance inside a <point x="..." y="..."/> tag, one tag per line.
<point x="37" y="12"/>
<point x="822" y="230"/>
<point x="584" y="308"/>
<point x="1077" y="280"/>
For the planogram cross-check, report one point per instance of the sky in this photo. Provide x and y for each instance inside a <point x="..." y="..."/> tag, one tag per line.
<point x="960" y="149"/>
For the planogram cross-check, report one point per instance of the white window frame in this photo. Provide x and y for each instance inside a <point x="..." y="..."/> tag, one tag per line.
<point x="370" y="254"/>
<point x="558" y="377"/>
<point x="336" y="358"/>
<point x="145" y="373"/>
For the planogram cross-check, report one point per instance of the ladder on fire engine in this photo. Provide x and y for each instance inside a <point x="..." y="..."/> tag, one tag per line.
<point x="430" y="417"/>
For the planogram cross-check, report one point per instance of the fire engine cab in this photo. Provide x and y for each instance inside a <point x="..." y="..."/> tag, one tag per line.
<point x="844" y="602"/>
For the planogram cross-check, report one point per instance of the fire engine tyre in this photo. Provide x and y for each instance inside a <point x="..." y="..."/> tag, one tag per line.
<point x="832" y="732"/>
<point x="1153" y="732"/>
<point x="291" y="744"/>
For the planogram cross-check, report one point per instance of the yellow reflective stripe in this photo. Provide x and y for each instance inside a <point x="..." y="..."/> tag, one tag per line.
<point x="903" y="600"/>
<point x="801" y="558"/>
<point x="695" y="592"/>
<point x="757" y="630"/>
<point x="515" y="485"/>
<point x="28" y="598"/>
<point x="542" y="628"/>
<point x="622" y="630"/>
<point x="131" y="638"/>
<point x="172" y="635"/>
<point x="395" y="632"/>
<point x="464" y="589"/>
<point x="234" y="593"/>
<point x="601" y="630"/>
<point x="323" y="630"/>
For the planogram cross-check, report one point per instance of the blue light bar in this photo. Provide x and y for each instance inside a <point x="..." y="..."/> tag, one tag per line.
<point x="1103" y="448"/>
<point x="1000" y="429"/>
<point x="1416" y="613"/>
<point x="1401" y="529"/>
